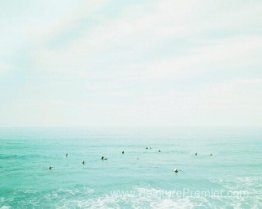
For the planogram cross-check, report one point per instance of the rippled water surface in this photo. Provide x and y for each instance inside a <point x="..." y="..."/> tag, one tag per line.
<point x="139" y="178"/>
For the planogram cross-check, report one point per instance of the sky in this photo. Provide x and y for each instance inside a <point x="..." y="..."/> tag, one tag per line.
<point x="130" y="63"/>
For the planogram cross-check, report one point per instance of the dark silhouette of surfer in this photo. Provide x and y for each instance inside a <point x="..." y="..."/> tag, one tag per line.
<point x="103" y="158"/>
<point x="176" y="170"/>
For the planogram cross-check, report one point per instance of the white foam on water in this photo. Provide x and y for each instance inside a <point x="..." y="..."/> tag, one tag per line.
<point x="5" y="207"/>
<point x="153" y="198"/>
<point x="241" y="187"/>
<point x="3" y="202"/>
<point x="243" y="192"/>
<point x="137" y="198"/>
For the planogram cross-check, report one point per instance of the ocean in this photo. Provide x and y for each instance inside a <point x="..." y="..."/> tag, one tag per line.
<point x="225" y="173"/>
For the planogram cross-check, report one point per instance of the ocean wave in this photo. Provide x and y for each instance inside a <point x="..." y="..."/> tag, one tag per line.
<point x="5" y="207"/>
<point x="136" y="198"/>
<point x="250" y="184"/>
<point x="157" y="198"/>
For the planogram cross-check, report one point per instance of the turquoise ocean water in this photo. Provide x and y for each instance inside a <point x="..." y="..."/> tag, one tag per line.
<point x="140" y="178"/>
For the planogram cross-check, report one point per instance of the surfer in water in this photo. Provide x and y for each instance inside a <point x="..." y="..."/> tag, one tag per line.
<point x="50" y="167"/>
<point x="83" y="162"/>
<point x="123" y="152"/>
<point x="196" y="154"/>
<point x="66" y="154"/>
<point x="103" y="158"/>
<point x="176" y="170"/>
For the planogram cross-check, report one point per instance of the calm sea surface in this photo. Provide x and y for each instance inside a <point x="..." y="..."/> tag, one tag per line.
<point x="139" y="178"/>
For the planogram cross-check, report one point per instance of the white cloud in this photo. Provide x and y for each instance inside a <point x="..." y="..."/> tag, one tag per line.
<point x="141" y="30"/>
<point x="229" y="54"/>
<point x="41" y="33"/>
<point x="126" y="63"/>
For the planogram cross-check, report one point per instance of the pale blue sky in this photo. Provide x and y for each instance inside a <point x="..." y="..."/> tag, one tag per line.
<point x="148" y="63"/>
